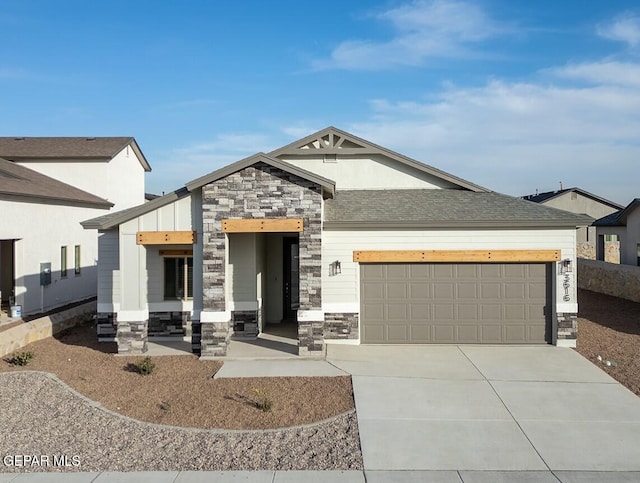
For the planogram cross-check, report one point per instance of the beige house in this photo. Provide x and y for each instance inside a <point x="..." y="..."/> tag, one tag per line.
<point x="577" y="200"/>
<point x="622" y="228"/>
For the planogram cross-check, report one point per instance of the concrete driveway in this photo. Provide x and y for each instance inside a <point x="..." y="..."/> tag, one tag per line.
<point x="470" y="408"/>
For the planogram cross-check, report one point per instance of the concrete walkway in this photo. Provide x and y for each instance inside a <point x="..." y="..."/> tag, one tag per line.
<point x="478" y="408"/>
<point x="328" y="477"/>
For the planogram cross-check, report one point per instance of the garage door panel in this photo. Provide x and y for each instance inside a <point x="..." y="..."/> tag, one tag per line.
<point x="489" y="271"/>
<point x="490" y="291"/>
<point x="442" y="271"/>
<point x="397" y="313"/>
<point x="420" y="332"/>
<point x="419" y="291"/>
<point x="515" y="334"/>
<point x="490" y="333"/>
<point x="443" y="312"/>
<point x="536" y="332"/>
<point x="537" y="291"/>
<point x="373" y="312"/>
<point x="490" y="312"/>
<point x="398" y="334"/>
<point x="373" y="271"/>
<point x="515" y="312"/>
<point x="515" y="291"/>
<point x="374" y="333"/>
<point x="467" y="290"/>
<point x="397" y="271"/>
<point x="373" y="290"/>
<point x="468" y="312"/>
<point x="443" y="291"/>
<point x="420" y="312"/>
<point x="454" y="303"/>
<point x="443" y="334"/>
<point x="397" y="290"/>
<point x="468" y="334"/>
<point x="467" y="270"/>
<point x="515" y="270"/>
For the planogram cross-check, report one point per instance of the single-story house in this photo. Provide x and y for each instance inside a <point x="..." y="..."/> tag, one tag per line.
<point x="344" y="241"/>
<point x="48" y="185"/>
<point x="577" y="200"/>
<point x="622" y="227"/>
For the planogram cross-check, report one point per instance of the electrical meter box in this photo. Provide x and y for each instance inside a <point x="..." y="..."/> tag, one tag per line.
<point x="45" y="273"/>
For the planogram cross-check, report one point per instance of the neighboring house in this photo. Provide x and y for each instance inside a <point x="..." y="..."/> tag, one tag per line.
<point x="580" y="201"/>
<point x="342" y="241"/>
<point x="47" y="187"/>
<point x="623" y="229"/>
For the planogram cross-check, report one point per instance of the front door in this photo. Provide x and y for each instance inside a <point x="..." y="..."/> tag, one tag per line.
<point x="291" y="273"/>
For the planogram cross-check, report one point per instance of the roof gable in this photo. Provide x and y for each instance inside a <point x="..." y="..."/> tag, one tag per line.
<point x="69" y="148"/>
<point x="21" y="183"/>
<point x="327" y="185"/>
<point x="333" y="141"/>
<point x="549" y="195"/>
<point x="619" y="218"/>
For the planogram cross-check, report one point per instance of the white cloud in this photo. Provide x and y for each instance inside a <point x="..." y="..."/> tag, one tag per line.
<point x="625" y="28"/>
<point x="519" y="137"/>
<point x="424" y="29"/>
<point x="183" y="164"/>
<point x="608" y="72"/>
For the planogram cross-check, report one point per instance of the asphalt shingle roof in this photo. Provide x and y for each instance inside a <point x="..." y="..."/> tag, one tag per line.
<point x="23" y="148"/>
<point x="19" y="181"/>
<point x="62" y="147"/>
<point x="445" y="208"/>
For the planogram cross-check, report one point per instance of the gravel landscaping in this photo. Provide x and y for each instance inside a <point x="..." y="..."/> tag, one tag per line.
<point x="40" y="416"/>
<point x="609" y="327"/>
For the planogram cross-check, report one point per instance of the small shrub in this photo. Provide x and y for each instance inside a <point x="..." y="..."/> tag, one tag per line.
<point x="262" y="401"/>
<point x="165" y="406"/>
<point x="145" y="366"/>
<point x="20" y="358"/>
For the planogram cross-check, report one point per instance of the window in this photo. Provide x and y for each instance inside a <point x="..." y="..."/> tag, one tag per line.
<point x="76" y="270"/>
<point x="611" y="238"/>
<point x="63" y="261"/>
<point x="178" y="278"/>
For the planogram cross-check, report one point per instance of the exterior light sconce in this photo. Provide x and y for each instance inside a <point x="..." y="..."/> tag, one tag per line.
<point x="566" y="266"/>
<point x="334" y="268"/>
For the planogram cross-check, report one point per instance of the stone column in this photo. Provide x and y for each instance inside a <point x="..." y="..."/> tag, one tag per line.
<point x="132" y="337"/>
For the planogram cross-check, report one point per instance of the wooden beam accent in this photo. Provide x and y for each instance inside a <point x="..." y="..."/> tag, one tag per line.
<point x="166" y="237"/>
<point x="425" y="256"/>
<point x="263" y="225"/>
<point x="176" y="253"/>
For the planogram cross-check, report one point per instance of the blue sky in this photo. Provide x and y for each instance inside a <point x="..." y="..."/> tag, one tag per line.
<point x="517" y="96"/>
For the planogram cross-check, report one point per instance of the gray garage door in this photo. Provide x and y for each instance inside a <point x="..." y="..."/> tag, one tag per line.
<point x="490" y="303"/>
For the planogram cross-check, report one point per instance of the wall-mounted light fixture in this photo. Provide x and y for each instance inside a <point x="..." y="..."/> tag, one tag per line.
<point x="334" y="268"/>
<point x="566" y="266"/>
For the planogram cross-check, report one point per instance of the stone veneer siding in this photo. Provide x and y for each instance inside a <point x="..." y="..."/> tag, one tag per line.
<point x="106" y="326"/>
<point x="170" y="323"/>
<point x="567" y="326"/>
<point x="341" y="325"/>
<point x="260" y="191"/>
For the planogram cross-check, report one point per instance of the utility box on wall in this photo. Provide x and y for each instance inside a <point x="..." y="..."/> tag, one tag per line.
<point x="45" y="273"/>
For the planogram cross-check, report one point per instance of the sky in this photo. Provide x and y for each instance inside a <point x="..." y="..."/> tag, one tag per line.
<point x="517" y="96"/>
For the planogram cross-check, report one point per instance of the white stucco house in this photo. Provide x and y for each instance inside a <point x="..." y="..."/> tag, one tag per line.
<point x="345" y="242"/>
<point x="48" y="185"/>
<point x="623" y="227"/>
